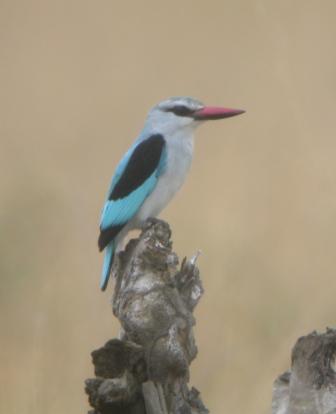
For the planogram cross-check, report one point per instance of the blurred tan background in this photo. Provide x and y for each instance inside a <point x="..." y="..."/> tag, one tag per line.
<point x="77" y="79"/>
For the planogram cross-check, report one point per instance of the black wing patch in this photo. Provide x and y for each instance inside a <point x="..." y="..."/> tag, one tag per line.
<point x="107" y="235"/>
<point x="141" y="165"/>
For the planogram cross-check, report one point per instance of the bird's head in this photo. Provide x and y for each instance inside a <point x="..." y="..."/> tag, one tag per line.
<point x="180" y="113"/>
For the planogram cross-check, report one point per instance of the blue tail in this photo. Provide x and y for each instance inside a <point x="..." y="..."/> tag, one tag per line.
<point x="108" y="260"/>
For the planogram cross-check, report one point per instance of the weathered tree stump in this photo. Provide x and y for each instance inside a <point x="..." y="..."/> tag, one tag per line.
<point x="146" y="370"/>
<point x="310" y="386"/>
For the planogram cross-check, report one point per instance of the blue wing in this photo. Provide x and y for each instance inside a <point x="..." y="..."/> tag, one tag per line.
<point x="135" y="178"/>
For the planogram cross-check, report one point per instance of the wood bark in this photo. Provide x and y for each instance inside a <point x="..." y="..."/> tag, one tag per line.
<point x="310" y="385"/>
<point x="146" y="370"/>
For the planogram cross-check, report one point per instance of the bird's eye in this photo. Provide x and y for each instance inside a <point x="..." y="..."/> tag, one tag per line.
<point x="181" y="110"/>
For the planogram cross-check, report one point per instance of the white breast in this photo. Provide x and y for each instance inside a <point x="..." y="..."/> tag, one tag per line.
<point x="179" y="156"/>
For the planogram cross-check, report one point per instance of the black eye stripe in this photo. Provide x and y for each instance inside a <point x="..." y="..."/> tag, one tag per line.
<point x="181" y="110"/>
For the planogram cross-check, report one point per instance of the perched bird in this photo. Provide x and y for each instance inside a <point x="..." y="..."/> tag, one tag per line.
<point x="152" y="170"/>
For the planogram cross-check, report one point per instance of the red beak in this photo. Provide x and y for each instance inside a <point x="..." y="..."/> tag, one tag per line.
<point x="214" y="112"/>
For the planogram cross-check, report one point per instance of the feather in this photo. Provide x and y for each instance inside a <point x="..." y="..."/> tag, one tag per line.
<point x="135" y="178"/>
<point x="108" y="260"/>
